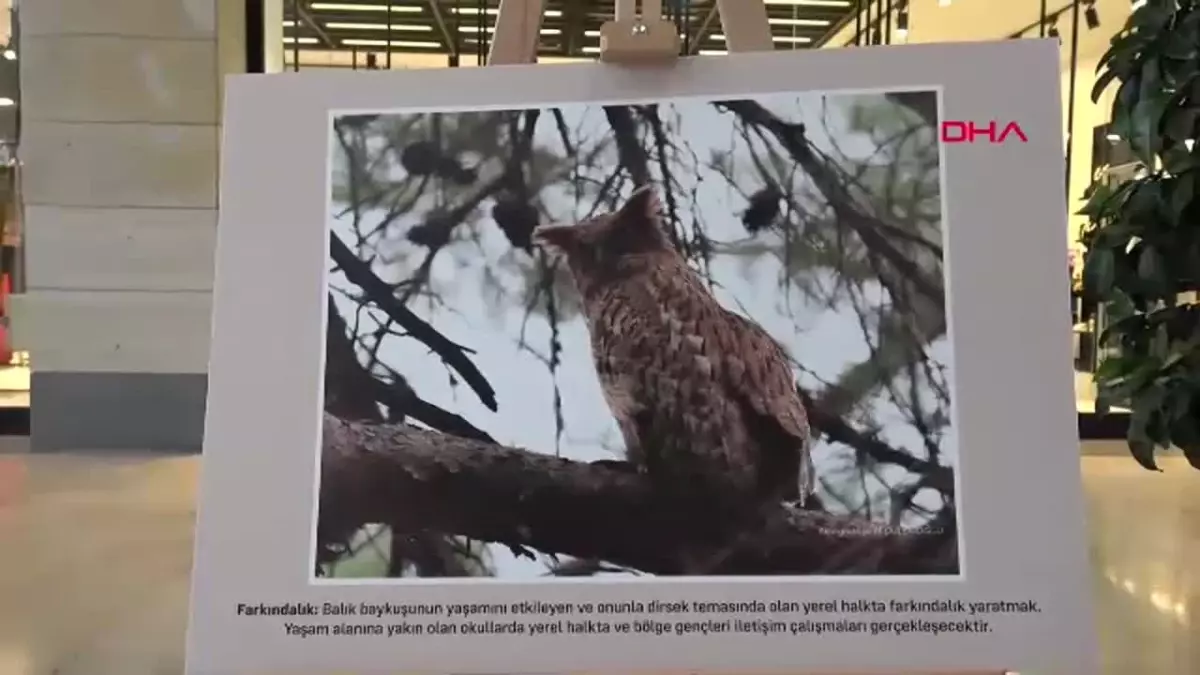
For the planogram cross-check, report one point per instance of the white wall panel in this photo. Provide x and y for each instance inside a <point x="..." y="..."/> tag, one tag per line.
<point x="119" y="165"/>
<point x="146" y="18"/>
<point x="118" y="79"/>
<point x="97" y="331"/>
<point x="120" y="249"/>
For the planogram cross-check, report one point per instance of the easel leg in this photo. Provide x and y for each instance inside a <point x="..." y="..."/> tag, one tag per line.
<point x="518" y="25"/>
<point x="745" y="25"/>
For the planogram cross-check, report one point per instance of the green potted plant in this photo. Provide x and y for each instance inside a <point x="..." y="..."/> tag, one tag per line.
<point x="1142" y="241"/>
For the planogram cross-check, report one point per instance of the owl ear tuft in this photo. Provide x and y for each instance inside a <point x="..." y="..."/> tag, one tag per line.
<point x="644" y="204"/>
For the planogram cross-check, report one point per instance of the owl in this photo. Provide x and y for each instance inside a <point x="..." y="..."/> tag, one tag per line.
<point x="704" y="398"/>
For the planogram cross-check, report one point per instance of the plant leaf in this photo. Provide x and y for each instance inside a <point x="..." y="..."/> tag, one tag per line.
<point x="1123" y="104"/>
<point x="1180" y="123"/>
<point x="1120" y="308"/>
<point x="1177" y="160"/>
<point x="1152" y="270"/>
<point x="1144" y="123"/>
<point x="1099" y="271"/>
<point x="1183" y="194"/>
<point x="1142" y="422"/>
<point x="1185" y="433"/>
<point x="1142" y="448"/>
<point x="1152" y="17"/>
<point x="1160" y="346"/>
<point x="1119" y="328"/>
<point x="1098" y="196"/>
<point x="1144" y="201"/>
<point x="1103" y="80"/>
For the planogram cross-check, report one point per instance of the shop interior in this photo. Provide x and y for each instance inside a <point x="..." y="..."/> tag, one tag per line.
<point x="14" y="363"/>
<point x="1144" y="535"/>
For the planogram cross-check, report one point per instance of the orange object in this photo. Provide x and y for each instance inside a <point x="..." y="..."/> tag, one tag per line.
<point x="6" y="351"/>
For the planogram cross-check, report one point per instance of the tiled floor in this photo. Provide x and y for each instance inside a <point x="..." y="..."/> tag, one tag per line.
<point x="97" y="550"/>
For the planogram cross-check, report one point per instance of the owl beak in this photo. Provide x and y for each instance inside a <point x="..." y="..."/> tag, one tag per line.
<point x="554" y="236"/>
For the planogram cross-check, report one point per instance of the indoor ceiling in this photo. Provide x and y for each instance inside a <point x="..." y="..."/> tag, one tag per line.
<point x="570" y="27"/>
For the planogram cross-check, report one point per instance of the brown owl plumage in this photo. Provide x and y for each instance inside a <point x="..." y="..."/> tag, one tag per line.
<point x="705" y="399"/>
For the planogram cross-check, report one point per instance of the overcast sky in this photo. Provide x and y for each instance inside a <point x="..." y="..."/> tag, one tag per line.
<point x="825" y="341"/>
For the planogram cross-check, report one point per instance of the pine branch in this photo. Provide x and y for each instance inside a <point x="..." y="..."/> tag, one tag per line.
<point x="360" y="274"/>
<point x="867" y="226"/>
<point x="422" y="481"/>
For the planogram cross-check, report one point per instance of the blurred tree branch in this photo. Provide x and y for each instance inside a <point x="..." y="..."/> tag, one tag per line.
<point x="920" y="102"/>
<point x="919" y="296"/>
<point x="379" y="293"/>
<point x="351" y="392"/>
<point x="423" y="481"/>
<point x="868" y="227"/>
<point x="630" y="153"/>
<point x="834" y="428"/>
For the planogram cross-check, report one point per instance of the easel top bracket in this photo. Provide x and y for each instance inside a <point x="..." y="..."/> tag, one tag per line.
<point x="635" y="35"/>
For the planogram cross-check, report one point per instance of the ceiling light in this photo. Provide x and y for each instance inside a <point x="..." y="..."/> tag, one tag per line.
<point x="792" y="40"/>
<point x="799" y="22"/>
<point x="553" y="13"/>
<point x="10" y="54"/>
<point x="299" y="40"/>
<point x="943" y="3"/>
<point x="1137" y="3"/>
<point x="1091" y="16"/>
<point x="713" y="52"/>
<point x="351" y="7"/>
<point x="289" y="24"/>
<point x="415" y="27"/>
<point x="415" y="44"/>
<point x="591" y="50"/>
<point x="6" y="102"/>
<point x="492" y="29"/>
<point x="1053" y="32"/>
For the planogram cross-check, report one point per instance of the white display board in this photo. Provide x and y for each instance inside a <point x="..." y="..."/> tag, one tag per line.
<point x="441" y="441"/>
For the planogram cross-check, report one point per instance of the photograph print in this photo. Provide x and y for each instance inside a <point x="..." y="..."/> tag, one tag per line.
<point x="683" y="337"/>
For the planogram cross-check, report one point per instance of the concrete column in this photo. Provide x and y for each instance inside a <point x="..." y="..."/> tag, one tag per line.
<point x="119" y="145"/>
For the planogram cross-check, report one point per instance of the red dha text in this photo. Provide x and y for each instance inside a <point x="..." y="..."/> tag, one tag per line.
<point x="961" y="131"/>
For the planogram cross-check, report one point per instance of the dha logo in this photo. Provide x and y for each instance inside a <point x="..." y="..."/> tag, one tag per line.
<point x="994" y="132"/>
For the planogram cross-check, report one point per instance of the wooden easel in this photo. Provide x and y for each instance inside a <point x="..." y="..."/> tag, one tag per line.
<point x="644" y="36"/>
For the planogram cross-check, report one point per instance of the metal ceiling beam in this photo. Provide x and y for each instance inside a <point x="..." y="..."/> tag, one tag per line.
<point x="304" y="15"/>
<point x="703" y="30"/>
<point x="435" y="10"/>
<point x="574" y="19"/>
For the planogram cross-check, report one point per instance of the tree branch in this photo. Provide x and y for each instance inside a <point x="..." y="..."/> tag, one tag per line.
<point x="923" y="103"/>
<point x="925" y="309"/>
<point x="423" y="481"/>
<point x="835" y="429"/>
<point x="629" y="150"/>
<point x="359" y="273"/>
<point x="791" y="137"/>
